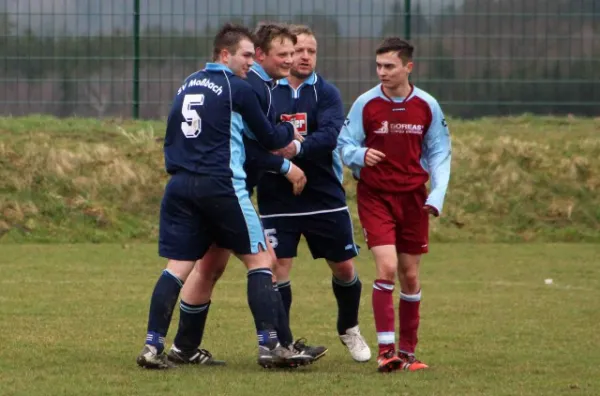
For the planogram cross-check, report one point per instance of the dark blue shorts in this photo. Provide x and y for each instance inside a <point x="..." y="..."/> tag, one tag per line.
<point x="197" y="211"/>
<point x="328" y="235"/>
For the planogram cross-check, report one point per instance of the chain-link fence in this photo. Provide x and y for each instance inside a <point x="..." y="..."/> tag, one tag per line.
<point x="478" y="57"/>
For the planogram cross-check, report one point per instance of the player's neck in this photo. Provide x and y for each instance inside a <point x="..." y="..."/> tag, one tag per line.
<point x="261" y="66"/>
<point x="294" y="81"/>
<point x="402" y="91"/>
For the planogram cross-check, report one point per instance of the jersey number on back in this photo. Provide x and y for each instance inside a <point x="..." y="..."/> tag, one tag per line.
<point x="192" y="126"/>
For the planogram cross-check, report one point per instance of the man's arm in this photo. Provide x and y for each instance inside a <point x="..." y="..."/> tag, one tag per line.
<point x="269" y="136"/>
<point x="330" y="119"/>
<point x="437" y="153"/>
<point x="352" y="137"/>
<point x="259" y="158"/>
<point x="263" y="159"/>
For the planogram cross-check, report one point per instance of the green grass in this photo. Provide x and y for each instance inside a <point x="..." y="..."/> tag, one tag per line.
<point x="514" y="179"/>
<point x="72" y="320"/>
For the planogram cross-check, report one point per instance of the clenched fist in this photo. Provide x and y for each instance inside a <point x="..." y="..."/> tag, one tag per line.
<point x="373" y="157"/>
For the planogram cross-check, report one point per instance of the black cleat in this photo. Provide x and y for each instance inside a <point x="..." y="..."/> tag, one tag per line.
<point x="280" y="357"/>
<point x="199" y="356"/>
<point x="300" y="349"/>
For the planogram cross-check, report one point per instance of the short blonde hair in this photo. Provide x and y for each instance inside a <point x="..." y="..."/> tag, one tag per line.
<point x="301" y="29"/>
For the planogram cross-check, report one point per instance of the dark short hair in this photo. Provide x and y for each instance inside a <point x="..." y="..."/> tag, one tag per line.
<point x="402" y="48"/>
<point x="229" y="37"/>
<point x="266" y="32"/>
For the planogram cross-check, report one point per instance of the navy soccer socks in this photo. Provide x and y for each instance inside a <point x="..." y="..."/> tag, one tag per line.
<point x="283" y="320"/>
<point x="347" y="295"/>
<point x="162" y="304"/>
<point x="285" y="289"/>
<point x="192" y="320"/>
<point x="263" y="305"/>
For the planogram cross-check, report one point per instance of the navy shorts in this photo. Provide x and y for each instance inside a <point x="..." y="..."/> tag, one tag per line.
<point x="328" y="235"/>
<point x="197" y="211"/>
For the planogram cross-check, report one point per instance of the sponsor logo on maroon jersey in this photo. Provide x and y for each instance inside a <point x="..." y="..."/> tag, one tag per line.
<point x="388" y="127"/>
<point x="299" y="120"/>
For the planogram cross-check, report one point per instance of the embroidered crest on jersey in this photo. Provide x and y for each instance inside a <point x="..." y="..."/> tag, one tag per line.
<point x="300" y="121"/>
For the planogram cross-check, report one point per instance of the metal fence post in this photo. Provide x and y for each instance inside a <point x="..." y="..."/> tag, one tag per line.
<point x="136" y="59"/>
<point x="407" y="19"/>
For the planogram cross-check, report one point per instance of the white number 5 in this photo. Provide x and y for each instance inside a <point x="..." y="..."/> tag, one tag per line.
<point x="193" y="125"/>
<point x="271" y="235"/>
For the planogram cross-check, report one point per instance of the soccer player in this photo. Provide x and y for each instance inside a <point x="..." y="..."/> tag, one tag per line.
<point x="320" y="213"/>
<point x="394" y="139"/>
<point x="206" y="200"/>
<point x="274" y="50"/>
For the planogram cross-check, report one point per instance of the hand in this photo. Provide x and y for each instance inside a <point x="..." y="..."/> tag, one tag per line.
<point x="298" y="136"/>
<point x="373" y="157"/>
<point x="432" y="211"/>
<point x="289" y="152"/>
<point x="297" y="177"/>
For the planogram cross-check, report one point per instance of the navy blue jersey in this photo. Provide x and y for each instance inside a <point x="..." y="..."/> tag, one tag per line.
<point x="258" y="159"/>
<point x="207" y="121"/>
<point x="316" y="109"/>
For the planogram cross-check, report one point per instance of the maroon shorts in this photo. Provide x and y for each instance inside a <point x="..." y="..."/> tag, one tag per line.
<point x="394" y="219"/>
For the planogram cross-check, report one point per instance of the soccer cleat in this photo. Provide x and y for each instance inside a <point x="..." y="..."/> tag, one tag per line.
<point x="150" y="358"/>
<point x="199" y="356"/>
<point x="388" y="362"/>
<point x="301" y="351"/>
<point x="410" y="363"/>
<point x="356" y="344"/>
<point x="280" y="357"/>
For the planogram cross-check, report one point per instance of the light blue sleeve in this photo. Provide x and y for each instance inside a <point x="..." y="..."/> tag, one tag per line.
<point x="437" y="155"/>
<point x="352" y="138"/>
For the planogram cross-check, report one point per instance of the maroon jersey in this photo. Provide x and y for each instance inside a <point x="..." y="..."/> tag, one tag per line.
<point x="410" y="131"/>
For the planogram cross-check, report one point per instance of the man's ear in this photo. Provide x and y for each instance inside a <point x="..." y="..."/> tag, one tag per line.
<point x="259" y="55"/>
<point x="225" y="55"/>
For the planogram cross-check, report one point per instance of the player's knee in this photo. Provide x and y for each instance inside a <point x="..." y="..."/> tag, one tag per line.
<point x="258" y="260"/>
<point x="180" y="269"/>
<point x="386" y="274"/>
<point x="209" y="272"/>
<point x="212" y="274"/>
<point x="283" y="266"/>
<point x="217" y="274"/>
<point x="343" y="271"/>
<point x="281" y="276"/>
<point x="214" y="261"/>
<point x="386" y="268"/>
<point x="410" y="280"/>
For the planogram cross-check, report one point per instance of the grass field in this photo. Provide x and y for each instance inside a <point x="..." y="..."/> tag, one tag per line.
<point x="72" y="320"/>
<point x="73" y="316"/>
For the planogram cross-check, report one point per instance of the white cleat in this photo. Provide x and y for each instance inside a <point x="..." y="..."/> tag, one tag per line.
<point x="356" y="344"/>
<point x="151" y="359"/>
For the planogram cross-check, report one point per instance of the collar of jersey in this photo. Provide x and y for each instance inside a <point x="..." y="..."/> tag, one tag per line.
<point x="397" y="99"/>
<point x="310" y="80"/>
<point x="217" y="67"/>
<point x="258" y="69"/>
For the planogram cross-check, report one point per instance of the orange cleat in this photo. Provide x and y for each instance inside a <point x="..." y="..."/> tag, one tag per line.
<point x="410" y="363"/>
<point x="388" y="362"/>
